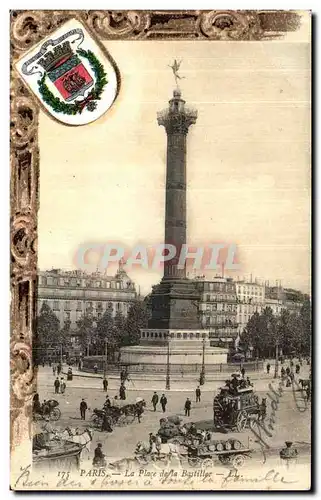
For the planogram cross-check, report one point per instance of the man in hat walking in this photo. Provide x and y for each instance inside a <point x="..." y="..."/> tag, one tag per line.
<point x="187" y="407"/>
<point x="155" y="400"/>
<point x="83" y="408"/>
<point x="57" y="385"/>
<point x="163" y="402"/>
<point x="198" y="394"/>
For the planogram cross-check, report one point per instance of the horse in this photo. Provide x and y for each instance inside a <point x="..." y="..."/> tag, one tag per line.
<point x="135" y="409"/>
<point x="76" y="436"/>
<point x="304" y="383"/>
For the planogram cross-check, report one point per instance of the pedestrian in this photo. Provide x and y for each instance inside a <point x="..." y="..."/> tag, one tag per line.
<point x="268" y="366"/>
<point x="297" y="368"/>
<point x="187" y="407"/>
<point x="163" y="402"/>
<point x="107" y="403"/>
<point x="122" y="393"/>
<point x="83" y="408"/>
<point x="155" y="400"/>
<point x="308" y="393"/>
<point x="57" y="385"/>
<point x="99" y="457"/>
<point x="198" y="394"/>
<point x="69" y="374"/>
<point x="243" y="372"/>
<point x="95" y="368"/>
<point x="62" y="386"/>
<point x="105" y="426"/>
<point x="54" y="370"/>
<point x="105" y="384"/>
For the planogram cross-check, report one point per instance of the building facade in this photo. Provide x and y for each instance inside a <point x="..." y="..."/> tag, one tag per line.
<point x="274" y="298"/>
<point x="250" y="299"/>
<point x="218" y="309"/>
<point x="70" y="294"/>
<point x="293" y="300"/>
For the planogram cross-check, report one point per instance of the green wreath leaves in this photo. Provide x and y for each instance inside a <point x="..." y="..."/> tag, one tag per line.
<point x="94" y="95"/>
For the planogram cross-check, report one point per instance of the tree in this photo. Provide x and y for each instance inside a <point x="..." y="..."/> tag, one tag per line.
<point x="85" y="330"/>
<point x="136" y="319"/>
<point x="47" y="332"/>
<point x="261" y="333"/>
<point x="105" y="332"/>
<point x="306" y="327"/>
<point x="252" y="334"/>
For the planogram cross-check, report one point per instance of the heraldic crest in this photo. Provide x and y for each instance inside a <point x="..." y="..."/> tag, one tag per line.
<point x="76" y="75"/>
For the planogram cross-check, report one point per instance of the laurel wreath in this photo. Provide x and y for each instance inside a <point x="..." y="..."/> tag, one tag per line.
<point x="90" y="100"/>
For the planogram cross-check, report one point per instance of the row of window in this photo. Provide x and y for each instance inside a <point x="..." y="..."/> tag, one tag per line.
<point x="56" y="305"/>
<point x="76" y="282"/>
<point x="250" y="291"/>
<point x="221" y="287"/>
<point x="219" y="298"/>
<point x="219" y="320"/>
<point x="221" y="307"/>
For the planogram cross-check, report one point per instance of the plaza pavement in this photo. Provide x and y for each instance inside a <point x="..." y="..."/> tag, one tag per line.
<point x="289" y="423"/>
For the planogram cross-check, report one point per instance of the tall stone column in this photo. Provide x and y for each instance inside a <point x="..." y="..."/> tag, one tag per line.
<point x="174" y="302"/>
<point x="176" y="119"/>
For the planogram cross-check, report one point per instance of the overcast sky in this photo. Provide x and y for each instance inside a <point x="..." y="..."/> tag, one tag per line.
<point x="248" y="159"/>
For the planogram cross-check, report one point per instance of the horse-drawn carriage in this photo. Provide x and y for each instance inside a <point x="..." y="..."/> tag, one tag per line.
<point x="118" y="416"/>
<point x="49" y="409"/>
<point x="236" y="411"/>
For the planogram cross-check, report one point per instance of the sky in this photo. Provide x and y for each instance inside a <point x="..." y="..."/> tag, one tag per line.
<point x="248" y="159"/>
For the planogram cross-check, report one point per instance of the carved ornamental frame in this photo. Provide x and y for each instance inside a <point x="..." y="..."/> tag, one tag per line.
<point x="27" y="29"/>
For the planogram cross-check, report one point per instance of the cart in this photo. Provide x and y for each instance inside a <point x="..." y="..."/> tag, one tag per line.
<point x="227" y="452"/>
<point x="236" y="411"/>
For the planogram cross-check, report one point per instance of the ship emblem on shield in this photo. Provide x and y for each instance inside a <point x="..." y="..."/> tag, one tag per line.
<point x="73" y="78"/>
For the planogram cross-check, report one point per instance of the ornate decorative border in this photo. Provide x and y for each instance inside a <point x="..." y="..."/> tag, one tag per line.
<point x="27" y="29"/>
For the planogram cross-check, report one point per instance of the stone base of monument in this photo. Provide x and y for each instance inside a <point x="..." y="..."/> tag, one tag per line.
<point x="182" y="350"/>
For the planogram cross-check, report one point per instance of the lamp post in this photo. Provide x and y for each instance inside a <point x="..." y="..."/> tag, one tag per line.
<point x="276" y="366"/>
<point x="202" y="374"/>
<point x="168" y="382"/>
<point x="105" y="362"/>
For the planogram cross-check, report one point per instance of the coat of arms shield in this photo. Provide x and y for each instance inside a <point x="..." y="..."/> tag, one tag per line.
<point x="75" y="80"/>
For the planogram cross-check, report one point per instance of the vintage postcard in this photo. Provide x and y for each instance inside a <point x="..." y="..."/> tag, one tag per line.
<point x="160" y="250"/>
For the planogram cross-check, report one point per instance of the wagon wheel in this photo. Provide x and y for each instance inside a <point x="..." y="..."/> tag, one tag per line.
<point x="241" y="421"/>
<point x="122" y="420"/>
<point x="193" y="461"/>
<point x="207" y="463"/>
<point x="55" y="414"/>
<point x="130" y="417"/>
<point x="238" y="461"/>
<point x="224" y="459"/>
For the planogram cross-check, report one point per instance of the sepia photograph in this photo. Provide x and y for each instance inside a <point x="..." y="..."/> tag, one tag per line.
<point x="161" y="250"/>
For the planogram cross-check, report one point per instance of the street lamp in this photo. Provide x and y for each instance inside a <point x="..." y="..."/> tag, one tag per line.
<point x="105" y="363"/>
<point x="202" y="374"/>
<point x="276" y="366"/>
<point x="168" y="382"/>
